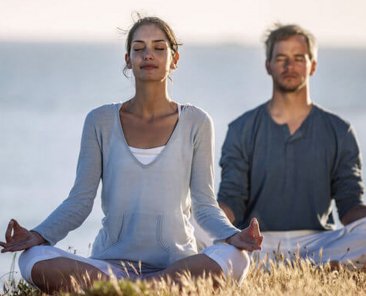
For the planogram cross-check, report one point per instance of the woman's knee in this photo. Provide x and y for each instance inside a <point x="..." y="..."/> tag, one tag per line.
<point x="29" y="258"/>
<point x="233" y="262"/>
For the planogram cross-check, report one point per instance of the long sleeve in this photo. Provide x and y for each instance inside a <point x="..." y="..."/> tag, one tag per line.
<point x="205" y="208"/>
<point x="76" y="208"/>
<point x="347" y="187"/>
<point x="234" y="186"/>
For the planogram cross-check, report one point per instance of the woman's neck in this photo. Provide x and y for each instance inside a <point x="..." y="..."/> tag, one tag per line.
<point x="148" y="105"/>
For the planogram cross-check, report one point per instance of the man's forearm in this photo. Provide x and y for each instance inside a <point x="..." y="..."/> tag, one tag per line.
<point x="354" y="214"/>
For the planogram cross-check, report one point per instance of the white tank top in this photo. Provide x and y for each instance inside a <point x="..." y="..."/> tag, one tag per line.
<point x="146" y="156"/>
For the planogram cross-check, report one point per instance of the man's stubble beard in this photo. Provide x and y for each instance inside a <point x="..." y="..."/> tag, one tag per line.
<point x="284" y="88"/>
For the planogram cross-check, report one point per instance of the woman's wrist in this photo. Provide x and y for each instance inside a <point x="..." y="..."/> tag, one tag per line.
<point x="229" y="239"/>
<point x="39" y="238"/>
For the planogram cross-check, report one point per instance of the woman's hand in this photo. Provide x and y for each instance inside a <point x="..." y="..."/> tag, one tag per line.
<point x="249" y="239"/>
<point x="19" y="238"/>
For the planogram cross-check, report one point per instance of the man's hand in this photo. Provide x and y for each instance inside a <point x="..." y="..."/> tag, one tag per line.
<point x="249" y="239"/>
<point x="228" y="212"/>
<point x="19" y="238"/>
<point x="355" y="213"/>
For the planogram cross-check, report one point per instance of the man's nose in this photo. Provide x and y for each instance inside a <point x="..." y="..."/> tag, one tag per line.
<point x="289" y="63"/>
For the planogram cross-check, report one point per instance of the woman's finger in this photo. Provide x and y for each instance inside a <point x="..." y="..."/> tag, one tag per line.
<point x="17" y="246"/>
<point x="9" y="230"/>
<point x="248" y="246"/>
<point x="16" y="224"/>
<point x="254" y="228"/>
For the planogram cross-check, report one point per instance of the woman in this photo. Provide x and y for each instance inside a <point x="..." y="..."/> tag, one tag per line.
<point x="155" y="159"/>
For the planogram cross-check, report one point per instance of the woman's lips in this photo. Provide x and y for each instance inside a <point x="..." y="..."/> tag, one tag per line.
<point x="149" y="67"/>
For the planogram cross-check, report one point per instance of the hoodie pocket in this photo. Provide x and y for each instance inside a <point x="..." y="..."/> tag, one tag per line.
<point x="140" y="238"/>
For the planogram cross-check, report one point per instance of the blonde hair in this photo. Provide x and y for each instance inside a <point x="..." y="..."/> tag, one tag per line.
<point x="282" y="32"/>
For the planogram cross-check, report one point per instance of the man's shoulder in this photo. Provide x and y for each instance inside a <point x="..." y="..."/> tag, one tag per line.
<point x="334" y="120"/>
<point x="249" y="118"/>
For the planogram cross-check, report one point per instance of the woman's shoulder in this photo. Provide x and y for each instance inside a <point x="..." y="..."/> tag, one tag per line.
<point x="105" y="109"/>
<point x="196" y="114"/>
<point x="103" y="113"/>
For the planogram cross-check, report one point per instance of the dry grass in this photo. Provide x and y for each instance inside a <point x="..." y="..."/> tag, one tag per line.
<point x="281" y="278"/>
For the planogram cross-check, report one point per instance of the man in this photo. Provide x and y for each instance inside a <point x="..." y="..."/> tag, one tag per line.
<point x="285" y="161"/>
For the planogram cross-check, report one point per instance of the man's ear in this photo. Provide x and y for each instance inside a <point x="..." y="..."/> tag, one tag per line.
<point x="128" y="61"/>
<point x="268" y="67"/>
<point x="314" y="65"/>
<point x="175" y="59"/>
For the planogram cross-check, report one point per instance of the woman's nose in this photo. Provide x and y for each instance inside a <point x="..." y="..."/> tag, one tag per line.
<point x="148" y="54"/>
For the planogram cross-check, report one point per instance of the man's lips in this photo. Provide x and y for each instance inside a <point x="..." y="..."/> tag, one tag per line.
<point x="288" y="76"/>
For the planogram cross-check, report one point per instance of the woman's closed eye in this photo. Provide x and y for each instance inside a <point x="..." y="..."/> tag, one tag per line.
<point x="138" y="48"/>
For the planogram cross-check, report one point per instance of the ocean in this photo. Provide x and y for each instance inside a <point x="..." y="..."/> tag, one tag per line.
<point x="46" y="90"/>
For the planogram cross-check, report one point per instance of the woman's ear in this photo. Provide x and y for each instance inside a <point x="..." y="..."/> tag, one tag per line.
<point x="128" y="61"/>
<point x="174" y="62"/>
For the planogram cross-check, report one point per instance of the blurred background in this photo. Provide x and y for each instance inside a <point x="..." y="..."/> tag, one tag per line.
<point x="60" y="59"/>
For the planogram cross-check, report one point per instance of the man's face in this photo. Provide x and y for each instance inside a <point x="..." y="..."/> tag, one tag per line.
<point x="290" y="65"/>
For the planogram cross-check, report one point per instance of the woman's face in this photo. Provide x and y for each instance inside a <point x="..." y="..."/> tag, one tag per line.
<point x="151" y="58"/>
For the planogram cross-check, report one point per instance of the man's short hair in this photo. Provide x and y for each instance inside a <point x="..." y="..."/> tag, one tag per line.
<point x="282" y="32"/>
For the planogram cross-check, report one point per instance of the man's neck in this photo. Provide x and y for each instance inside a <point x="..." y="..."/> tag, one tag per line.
<point x="290" y="108"/>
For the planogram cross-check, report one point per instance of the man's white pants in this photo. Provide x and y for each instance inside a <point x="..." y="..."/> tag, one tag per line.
<point x="345" y="245"/>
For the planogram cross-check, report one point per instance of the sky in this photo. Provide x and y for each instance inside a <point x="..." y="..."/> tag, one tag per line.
<point x="334" y="22"/>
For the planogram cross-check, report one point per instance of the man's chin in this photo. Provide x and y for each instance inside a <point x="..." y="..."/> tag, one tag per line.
<point x="290" y="88"/>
